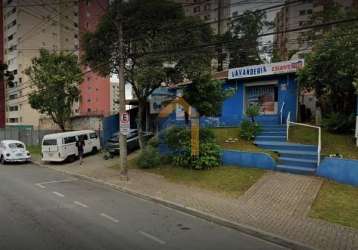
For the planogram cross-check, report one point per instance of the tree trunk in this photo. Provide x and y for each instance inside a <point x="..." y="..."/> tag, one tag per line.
<point x="141" y="108"/>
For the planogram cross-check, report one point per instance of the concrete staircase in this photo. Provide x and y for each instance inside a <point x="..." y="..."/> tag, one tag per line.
<point x="293" y="157"/>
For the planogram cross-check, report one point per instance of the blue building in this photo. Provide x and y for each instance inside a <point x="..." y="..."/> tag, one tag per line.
<point x="271" y="86"/>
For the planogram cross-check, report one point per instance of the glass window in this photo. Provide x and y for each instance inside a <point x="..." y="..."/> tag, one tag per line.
<point x="93" y="136"/>
<point x="16" y="145"/>
<point x="71" y="139"/>
<point x="49" y="142"/>
<point x="83" y="137"/>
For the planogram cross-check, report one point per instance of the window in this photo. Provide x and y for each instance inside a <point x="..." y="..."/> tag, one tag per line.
<point x="235" y="13"/>
<point x="13" y="96"/>
<point x="70" y="139"/>
<point x="75" y="24"/>
<point x="83" y="137"/>
<point x="93" y="136"/>
<point x="207" y="6"/>
<point x="207" y="17"/>
<point x="309" y="11"/>
<point x="16" y="145"/>
<point x="13" y="108"/>
<point x="13" y="120"/>
<point x="302" y="12"/>
<point x="9" y="38"/>
<point x="196" y="9"/>
<point x="49" y="142"/>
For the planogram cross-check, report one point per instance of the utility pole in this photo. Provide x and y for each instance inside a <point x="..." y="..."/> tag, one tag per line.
<point x="220" y="55"/>
<point x="122" y="96"/>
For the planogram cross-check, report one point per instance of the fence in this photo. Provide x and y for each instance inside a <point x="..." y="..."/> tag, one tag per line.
<point x="27" y="136"/>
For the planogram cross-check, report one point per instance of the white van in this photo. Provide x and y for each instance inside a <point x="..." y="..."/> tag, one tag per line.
<point x="62" y="146"/>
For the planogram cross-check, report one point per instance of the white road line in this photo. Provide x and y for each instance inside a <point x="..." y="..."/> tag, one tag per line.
<point x="56" y="181"/>
<point x="152" y="237"/>
<point x="40" y="185"/>
<point x="80" y="204"/>
<point x="59" y="194"/>
<point x="109" y="218"/>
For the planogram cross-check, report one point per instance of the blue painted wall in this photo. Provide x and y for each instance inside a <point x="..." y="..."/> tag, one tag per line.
<point x="340" y="170"/>
<point x="247" y="159"/>
<point x="232" y="112"/>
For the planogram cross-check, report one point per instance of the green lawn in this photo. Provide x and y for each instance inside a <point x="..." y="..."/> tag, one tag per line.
<point x="34" y="149"/>
<point x="337" y="203"/>
<point x="331" y="143"/>
<point x="233" y="181"/>
<point x="223" y="134"/>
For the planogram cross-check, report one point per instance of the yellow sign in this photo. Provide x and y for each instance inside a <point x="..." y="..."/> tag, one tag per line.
<point x="194" y="117"/>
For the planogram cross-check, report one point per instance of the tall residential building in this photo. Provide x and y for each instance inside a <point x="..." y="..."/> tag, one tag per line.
<point x="29" y="26"/>
<point x="290" y="44"/>
<point x="2" y="87"/>
<point x="95" y="90"/>
<point x="215" y="12"/>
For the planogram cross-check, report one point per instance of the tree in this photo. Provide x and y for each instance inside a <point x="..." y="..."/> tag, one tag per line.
<point x="242" y="40"/>
<point x="331" y="70"/>
<point x="206" y="95"/>
<point x="155" y="34"/>
<point x="55" y="79"/>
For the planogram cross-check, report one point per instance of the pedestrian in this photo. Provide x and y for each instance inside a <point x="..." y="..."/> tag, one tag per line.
<point x="80" y="144"/>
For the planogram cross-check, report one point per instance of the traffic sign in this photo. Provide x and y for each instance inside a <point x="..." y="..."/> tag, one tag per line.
<point x="124" y="123"/>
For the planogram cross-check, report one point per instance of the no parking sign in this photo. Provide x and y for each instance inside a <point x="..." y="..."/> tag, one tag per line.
<point x="124" y="123"/>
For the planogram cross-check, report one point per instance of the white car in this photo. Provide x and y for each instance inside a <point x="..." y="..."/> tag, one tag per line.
<point x="13" y="151"/>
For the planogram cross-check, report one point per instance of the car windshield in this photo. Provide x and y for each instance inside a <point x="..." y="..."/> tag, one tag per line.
<point x="16" y="145"/>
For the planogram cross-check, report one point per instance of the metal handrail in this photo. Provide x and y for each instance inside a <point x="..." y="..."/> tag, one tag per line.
<point x="281" y="112"/>
<point x="319" y="147"/>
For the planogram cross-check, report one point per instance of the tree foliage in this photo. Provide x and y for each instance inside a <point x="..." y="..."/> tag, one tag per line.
<point x="55" y="79"/>
<point x="206" y="95"/>
<point x="332" y="70"/>
<point x="155" y="33"/>
<point x="242" y="40"/>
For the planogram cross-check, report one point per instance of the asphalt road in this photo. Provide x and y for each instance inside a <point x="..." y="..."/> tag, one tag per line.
<point x="43" y="209"/>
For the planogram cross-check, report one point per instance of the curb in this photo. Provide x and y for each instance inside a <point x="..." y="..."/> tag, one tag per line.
<point x="273" y="238"/>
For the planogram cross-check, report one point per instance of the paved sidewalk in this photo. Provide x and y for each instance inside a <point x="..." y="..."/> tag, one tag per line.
<point x="278" y="203"/>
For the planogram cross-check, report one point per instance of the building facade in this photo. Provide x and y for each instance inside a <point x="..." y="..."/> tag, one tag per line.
<point x="215" y="12"/>
<point x="95" y="90"/>
<point x="28" y="28"/>
<point x="289" y="44"/>
<point x="2" y="86"/>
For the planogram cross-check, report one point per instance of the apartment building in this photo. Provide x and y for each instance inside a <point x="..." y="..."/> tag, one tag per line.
<point x="290" y="45"/>
<point x="2" y="87"/>
<point x="215" y="12"/>
<point x="95" y="90"/>
<point x="27" y="27"/>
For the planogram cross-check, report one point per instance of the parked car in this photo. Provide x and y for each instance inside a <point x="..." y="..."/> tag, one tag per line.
<point x="13" y="151"/>
<point x="62" y="146"/>
<point x="112" y="144"/>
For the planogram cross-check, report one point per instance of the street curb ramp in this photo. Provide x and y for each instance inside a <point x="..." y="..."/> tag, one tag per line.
<point x="197" y="213"/>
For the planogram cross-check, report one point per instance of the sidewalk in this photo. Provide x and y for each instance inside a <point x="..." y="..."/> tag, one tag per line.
<point x="278" y="203"/>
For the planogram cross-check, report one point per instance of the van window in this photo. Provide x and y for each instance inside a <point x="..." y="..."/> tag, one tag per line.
<point x="93" y="136"/>
<point x="68" y="140"/>
<point x="49" y="142"/>
<point x="83" y="137"/>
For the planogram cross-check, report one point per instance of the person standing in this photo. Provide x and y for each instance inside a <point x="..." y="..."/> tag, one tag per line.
<point x="80" y="144"/>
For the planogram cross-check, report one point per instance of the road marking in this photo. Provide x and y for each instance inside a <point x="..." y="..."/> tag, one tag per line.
<point x="80" y="204"/>
<point x="152" y="237"/>
<point x="56" y="181"/>
<point x="40" y="185"/>
<point x="59" y="194"/>
<point x="109" y="218"/>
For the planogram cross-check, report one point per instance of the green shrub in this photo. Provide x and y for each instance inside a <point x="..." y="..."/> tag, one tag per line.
<point x="339" y="123"/>
<point x="149" y="158"/>
<point x="179" y="141"/>
<point x="249" y="130"/>
<point x="252" y="111"/>
<point x="154" y="142"/>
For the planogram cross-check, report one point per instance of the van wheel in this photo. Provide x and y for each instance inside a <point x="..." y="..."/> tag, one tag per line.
<point x="94" y="150"/>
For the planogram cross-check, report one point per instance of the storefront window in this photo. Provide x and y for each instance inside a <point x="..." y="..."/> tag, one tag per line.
<point x="265" y="96"/>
